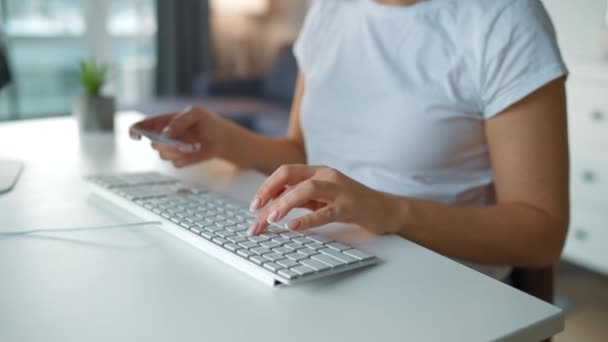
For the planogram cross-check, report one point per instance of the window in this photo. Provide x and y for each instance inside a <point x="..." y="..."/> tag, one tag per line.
<point x="46" y="40"/>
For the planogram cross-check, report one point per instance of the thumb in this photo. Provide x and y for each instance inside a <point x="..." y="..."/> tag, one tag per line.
<point x="183" y="121"/>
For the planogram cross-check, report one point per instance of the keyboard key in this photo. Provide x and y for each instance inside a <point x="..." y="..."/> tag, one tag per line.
<point x="303" y="270"/>
<point x="248" y="244"/>
<point x="258" y="259"/>
<point x="315" y="265"/>
<point x="235" y="229"/>
<point x="287" y="263"/>
<point x="185" y="224"/>
<point x="231" y="247"/>
<point x="307" y="251"/>
<point x="257" y="238"/>
<point x="320" y="239"/>
<point x="224" y="233"/>
<point x="282" y="250"/>
<point x="244" y="253"/>
<point x="288" y="274"/>
<point x="219" y="241"/>
<point x="236" y="239"/>
<point x="290" y="235"/>
<point x="338" y="255"/>
<point x="214" y="228"/>
<point x="276" y="229"/>
<point x="269" y="235"/>
<point x="207" y="228"/>
<point x="260" y="250"/>
<point x="281" y="240"/>
<point x="326" y="259"/>
<point x="195" y="230"/>
<point x="355" y="253"/>
<point x="218" y="218"/>
<point x="338" y="246"/>
<point x="270" y="244"/>
<point x="296" y="256"/>
<point x="207" y="235"/>
<point x="272" y="266"/>
<point x="315" y="245"/>
<point x="302" y="240"/>
<point x="222" y="224"/>
<point x="293" y="246"/>
<point x="273" y="256"/>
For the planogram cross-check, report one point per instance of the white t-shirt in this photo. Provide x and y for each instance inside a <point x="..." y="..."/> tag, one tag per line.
<point x="396" y="96"/>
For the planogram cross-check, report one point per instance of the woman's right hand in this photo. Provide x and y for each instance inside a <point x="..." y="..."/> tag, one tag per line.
<point x="204" y="131"/>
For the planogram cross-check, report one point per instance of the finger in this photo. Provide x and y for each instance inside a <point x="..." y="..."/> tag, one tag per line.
<point x="133" y="134"/>
<point x="190" y="159"/>
<point x="319" y="218"/>
<point x="313" y="205"/>
<point x="183" y="121"/>
<point x="276" y="183"/>
<point x="153" y="124"/>
<point x="301" y="194"/>
<point x="171" y="155"/>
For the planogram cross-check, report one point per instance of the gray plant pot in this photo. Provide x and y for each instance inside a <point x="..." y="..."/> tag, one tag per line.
<point x="94" y="113"/>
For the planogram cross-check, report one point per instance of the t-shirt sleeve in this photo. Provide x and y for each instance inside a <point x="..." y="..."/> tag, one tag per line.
<point x="519" y="55"/>
<point x="303" y="46"/>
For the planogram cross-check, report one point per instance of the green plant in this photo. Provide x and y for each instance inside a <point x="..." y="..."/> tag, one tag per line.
<point x="93" y="75"/>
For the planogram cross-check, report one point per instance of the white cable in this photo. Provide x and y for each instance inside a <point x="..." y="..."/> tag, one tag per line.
<point x="76" y="229"/>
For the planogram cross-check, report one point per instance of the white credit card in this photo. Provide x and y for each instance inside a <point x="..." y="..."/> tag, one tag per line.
<point x="161" y="139"/>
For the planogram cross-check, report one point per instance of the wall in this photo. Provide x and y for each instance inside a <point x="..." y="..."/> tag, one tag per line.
<point x="282" y="26"/>
<point x="247" y="46"/>
<point x="579" y="25"/>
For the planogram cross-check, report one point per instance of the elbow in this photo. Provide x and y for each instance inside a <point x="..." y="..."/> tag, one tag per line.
<point x="550" y="245"/>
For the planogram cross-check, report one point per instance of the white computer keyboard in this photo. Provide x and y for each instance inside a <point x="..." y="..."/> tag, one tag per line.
<point x="218" y="225"/>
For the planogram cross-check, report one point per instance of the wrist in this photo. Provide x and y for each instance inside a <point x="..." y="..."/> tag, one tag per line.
<point x="395" y="213"/>
<point x="233" y="145"/>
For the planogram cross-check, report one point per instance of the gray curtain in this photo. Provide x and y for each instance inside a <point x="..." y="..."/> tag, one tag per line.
<point x="183" y="45"/>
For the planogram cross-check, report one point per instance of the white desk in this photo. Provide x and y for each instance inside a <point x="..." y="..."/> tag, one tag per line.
<point x="145" y="285"/>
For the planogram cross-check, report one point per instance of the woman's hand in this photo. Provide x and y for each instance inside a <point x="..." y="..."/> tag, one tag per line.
<point x="332" y="196"/>
<point x="205" y="132"/>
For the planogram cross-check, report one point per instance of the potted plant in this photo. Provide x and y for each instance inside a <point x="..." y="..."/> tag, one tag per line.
<point x="94" y="111"/>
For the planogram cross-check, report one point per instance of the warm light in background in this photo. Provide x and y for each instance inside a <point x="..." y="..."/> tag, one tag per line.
<point x="240" y="7"/>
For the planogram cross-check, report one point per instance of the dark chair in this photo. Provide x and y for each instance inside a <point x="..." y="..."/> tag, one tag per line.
<point x="265" y="100"/>
<point x="539" y="283"/>
<point x="260" y="103"/>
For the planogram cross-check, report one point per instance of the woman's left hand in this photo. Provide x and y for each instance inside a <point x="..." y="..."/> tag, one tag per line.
<point x="332" y="196"/>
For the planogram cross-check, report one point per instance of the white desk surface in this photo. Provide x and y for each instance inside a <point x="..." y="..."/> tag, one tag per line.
<point x="145" y="285"/>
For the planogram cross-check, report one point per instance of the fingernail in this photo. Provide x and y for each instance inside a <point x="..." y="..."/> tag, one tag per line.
<point x="186" y="149"/>
<point x="252" y="228"/>
<point x="196" y="147"/>
<point x="166" y="131"/>
<point x="255" y="204"/>
<point x="274" y="215"/>
<point x="292" y="225"/>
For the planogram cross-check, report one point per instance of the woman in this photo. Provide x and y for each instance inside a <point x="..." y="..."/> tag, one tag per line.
<point x="442" y="121"/>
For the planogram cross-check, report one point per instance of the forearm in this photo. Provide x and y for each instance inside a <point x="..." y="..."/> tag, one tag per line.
<point x="247" y="149"/>
<point x="503" y="234"/>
